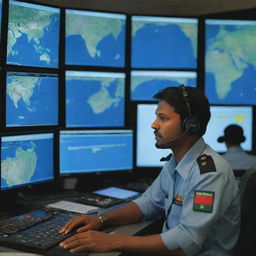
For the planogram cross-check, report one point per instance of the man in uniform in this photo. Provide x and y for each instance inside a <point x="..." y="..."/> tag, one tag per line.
<point x="235" y="155"/>
<point x="196" y="191"/>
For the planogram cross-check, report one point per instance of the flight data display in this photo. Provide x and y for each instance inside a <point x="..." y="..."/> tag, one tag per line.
<point x="163" y="42"/>
<point x="33" y="35"/>
<point x="94" y="99"/>
<point x="31" y="99"/>
<point x="230" y="61"/>
<point x="147" y="154"/>
<point x="145" y="84"/>
<point x="86" y="151"/>
<point x="26" y="160"/>
<point x="95" y="38"/>
<point x="221" y="117"/>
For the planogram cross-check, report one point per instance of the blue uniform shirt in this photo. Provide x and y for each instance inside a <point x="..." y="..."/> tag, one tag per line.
<point x="200" y="200"/>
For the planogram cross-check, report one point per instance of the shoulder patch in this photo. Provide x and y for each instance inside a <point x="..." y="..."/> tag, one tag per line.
<point x="206" y="164"/>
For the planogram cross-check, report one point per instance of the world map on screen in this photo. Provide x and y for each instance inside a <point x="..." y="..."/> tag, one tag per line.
<point x="164" y="42"/>
<point x="230" y="62"/>
<point x="144" y="85"/>
<point x="33" y="35"/>
<point x="94" y="101"/>
<point x="31" y="100"/>
<point x="26" y="162"/>
<point x="96" y="39"/>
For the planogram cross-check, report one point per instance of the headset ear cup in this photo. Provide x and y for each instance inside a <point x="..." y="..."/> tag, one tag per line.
<point x="191" y="125"/>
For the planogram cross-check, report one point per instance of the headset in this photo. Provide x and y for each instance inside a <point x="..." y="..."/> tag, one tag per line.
<point x="190" y="124"/>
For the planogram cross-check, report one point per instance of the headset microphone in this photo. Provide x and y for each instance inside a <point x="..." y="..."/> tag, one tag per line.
<point x="170" y="143"/>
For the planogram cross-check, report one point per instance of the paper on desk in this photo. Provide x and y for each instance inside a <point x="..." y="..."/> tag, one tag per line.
<point x="72" y="207"/>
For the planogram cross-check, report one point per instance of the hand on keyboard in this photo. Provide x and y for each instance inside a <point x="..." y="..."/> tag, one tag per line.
<point x="82" y="223"/>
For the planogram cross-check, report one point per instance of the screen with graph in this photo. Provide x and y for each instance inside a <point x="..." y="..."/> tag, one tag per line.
<point x="87" y="151"/>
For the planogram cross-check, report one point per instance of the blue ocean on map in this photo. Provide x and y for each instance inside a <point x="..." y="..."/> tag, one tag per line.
<point x="43" y="109"/>
<point x="44" y="152"/>
<point x="243" y="90"/>
<point x="88" y="160"/>
<point x="146" y="90"/>
<point x="80" y="114"/>
<point x="109" y="47"/>
<point x="29" y="56"/>
<point x="171" y="48"/>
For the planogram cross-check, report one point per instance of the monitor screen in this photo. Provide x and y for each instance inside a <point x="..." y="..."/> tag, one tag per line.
<point x="94" y="99"/>
<point x="147" y="155"/>
<point x="117" y="192"/>
<point x="230" y="62"/>
<point x="145" y="84"/>
<point x="31" y="99"/>
<point x="86" y="151"/>
<point x="221" y="117"/>
<point x="33" y="35"/>
<point x="163" y="42"/>
<point x="26" y="160"/>
<point x="95" y="38"/>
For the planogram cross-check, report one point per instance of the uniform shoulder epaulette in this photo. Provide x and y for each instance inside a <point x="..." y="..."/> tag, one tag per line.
<point x="166" y="158"/>
<point x="206" y="164"/>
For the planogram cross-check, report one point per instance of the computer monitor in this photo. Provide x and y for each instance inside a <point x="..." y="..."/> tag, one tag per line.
<point x="145" y="84"/>
<point x="221" y="117"/>
<point x="147" y="155"/>
<point x="31" y="99"/>
<point x="95" y="38"/>
<point x="94" y="99"/>
<point x="92" y="151"/>
<point x="164" y="42"/>
<point x="230" y="75"/>
<point x="33" y="35"/>
<point x="26" y="160"/>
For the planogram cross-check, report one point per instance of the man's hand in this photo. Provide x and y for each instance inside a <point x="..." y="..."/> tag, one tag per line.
<point x="89" y="222"/>
<point x="91" y="240"/>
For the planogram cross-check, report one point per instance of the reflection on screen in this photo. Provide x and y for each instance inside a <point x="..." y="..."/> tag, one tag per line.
<point x="145" y="84"/>
<point x="95" y="38"/>
<point x="84" y="151"/>
<point x="31" y="99"/>
<point x="173" y="42"/>
<point x="94" y="99"/>
<point x="147" y="154"/>
<point x="26" y="160"/>
<point x="221" y="117"/>
<point x="230" y="66"/>
<point x="33" y="35"/>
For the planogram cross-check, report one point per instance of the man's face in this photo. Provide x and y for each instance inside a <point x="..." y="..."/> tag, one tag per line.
<point x="167" y="127"/>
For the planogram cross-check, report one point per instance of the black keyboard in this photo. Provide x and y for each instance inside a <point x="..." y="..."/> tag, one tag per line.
<point x="23" y="221"/>
<point x="38" y="237"/>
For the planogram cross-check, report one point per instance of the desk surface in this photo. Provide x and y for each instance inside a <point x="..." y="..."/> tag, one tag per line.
<point x="130" y="229"/>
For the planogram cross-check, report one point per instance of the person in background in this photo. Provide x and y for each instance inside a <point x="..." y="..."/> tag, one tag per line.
<point x="235" y="155"/>
<point x="196" y="191"/>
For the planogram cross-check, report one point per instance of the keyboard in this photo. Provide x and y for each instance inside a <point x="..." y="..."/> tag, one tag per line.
<point x="38" y="233"/>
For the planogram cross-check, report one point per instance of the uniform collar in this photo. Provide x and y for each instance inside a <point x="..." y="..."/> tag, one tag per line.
<point x="236" y="149"/>
<point x="186" y="163"/>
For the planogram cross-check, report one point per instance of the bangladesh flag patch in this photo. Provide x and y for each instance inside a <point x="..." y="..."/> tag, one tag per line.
<point x="203" y="201"/>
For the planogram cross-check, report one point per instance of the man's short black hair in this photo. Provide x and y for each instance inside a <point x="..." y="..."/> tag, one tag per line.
<point x="199" y="104"/>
